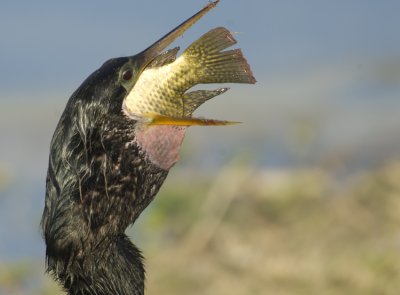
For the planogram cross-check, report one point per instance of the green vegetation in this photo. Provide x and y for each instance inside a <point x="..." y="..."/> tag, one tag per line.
<point x="247" y="231"/>
<point x="284" y="232"/>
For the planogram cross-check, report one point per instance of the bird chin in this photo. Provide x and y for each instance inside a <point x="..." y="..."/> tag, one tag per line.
<point x="161" y="143"/>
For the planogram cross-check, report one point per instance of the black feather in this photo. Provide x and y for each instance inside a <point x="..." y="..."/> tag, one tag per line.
<point x="98" y="183"/>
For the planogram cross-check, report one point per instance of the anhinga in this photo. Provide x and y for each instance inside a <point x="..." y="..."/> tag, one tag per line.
<point x="117" y="138"/>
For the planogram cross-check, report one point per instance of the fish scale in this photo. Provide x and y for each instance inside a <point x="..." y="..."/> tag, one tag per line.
<point x="105" y="168"/>
<point x="161" y="89"/>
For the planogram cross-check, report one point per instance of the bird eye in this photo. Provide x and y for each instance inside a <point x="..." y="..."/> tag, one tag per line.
<point x="127" y="75"/>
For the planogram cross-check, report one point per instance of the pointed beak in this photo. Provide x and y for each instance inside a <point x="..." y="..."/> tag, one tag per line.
<point x="147" y="55"/>
<point x="151" y="110"/>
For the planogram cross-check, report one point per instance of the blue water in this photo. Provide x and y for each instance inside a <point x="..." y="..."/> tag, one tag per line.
<point x="328" y="88"/>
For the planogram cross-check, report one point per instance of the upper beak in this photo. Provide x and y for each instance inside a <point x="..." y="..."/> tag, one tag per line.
<point x="147" y="55"/>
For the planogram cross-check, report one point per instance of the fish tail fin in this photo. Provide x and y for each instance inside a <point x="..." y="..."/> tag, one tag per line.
<point x="213" y="65"/>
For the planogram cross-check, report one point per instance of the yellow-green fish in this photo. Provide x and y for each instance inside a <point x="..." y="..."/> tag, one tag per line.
<point x="160" y="95"/>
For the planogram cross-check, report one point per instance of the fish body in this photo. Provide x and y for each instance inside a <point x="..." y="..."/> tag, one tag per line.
<point x="106" y="168"/>
<point x="161" y="90"/>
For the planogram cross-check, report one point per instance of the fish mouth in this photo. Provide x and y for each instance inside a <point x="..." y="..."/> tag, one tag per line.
<point x="150" y="53"/>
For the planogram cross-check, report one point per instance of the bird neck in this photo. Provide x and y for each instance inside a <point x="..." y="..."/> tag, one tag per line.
<point x="98" y="183"/>
<point x="112" y="267"/>
<point x="161" y="143"/>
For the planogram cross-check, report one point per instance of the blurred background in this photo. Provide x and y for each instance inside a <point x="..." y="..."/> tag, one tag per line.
<point x="303" y="197"/>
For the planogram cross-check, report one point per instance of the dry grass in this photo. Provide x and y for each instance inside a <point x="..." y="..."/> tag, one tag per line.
<point x="267" y="232"/>
<point x="287" y="232"/>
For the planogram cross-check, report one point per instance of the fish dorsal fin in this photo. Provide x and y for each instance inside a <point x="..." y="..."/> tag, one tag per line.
<point x="164" y="58"/>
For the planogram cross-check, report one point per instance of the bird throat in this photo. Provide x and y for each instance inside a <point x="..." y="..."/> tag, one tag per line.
<point x="161" y="143"/>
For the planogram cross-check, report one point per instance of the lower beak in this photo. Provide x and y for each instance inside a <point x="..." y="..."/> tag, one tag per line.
<point x="145" y="57"/>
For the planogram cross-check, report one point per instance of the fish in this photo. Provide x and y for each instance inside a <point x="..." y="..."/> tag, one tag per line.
<point x="161" y="94"/>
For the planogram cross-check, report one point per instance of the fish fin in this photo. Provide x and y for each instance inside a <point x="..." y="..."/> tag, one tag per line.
<point x="214" y="65"/>
<point x="164" y="58"/>
<point x="158" y="119"/>
<point x="192" y="100"/>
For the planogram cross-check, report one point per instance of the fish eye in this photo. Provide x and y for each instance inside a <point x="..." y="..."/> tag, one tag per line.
<point x="127" y="74"/>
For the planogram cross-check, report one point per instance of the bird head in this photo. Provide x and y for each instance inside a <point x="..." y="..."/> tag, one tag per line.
<point x="104" y="91"/>
<point x="108" y="162"/>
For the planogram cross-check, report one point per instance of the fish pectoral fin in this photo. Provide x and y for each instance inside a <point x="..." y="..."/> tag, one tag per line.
<point x="158" y="119"/>
<point x="192" y="100"/>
